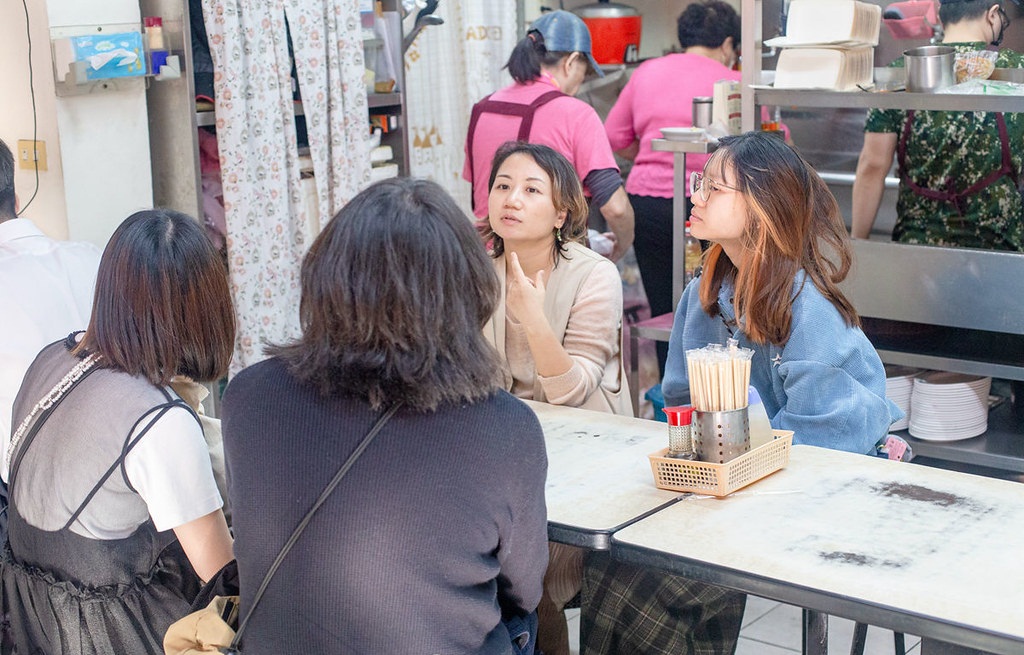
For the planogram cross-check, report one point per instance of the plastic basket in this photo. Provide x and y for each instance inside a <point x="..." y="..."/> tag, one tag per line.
<point x="721" y="479"/>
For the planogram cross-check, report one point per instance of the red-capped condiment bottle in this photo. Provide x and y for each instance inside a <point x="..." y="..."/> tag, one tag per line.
<point x="680" y="435"/>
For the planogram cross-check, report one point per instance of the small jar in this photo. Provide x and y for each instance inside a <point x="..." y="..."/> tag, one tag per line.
<point x="154" y="32"/>
<point x="680" y="435"/>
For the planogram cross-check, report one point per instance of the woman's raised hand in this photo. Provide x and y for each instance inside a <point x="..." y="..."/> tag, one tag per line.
<point x="525" y="297"/>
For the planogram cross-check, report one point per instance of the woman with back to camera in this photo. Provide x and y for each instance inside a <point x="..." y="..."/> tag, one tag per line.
<point x="438" y="532"/>
<point x="548" y="66"/>
<point x="660" y="94"/>
<point x="770" y="279"/>
<point x="112" y="494"/>
<point x="558" y="325"/>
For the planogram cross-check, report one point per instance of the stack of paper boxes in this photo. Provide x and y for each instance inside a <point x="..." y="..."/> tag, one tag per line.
<point x="829" y="44"/>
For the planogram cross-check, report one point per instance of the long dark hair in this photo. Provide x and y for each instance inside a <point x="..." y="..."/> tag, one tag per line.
<point x="395" y="293"/>
<point x="793" y="223"/>
<point x="162" y="306"/>
<point x="566" y="194"/>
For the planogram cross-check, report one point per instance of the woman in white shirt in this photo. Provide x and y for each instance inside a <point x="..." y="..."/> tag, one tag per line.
<point x="114" y="514"/>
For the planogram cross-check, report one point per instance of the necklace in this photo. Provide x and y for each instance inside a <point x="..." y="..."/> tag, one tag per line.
<point x="72" y="376"/>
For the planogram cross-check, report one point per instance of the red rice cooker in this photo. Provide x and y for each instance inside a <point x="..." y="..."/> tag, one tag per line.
<point x="614" y="31"/>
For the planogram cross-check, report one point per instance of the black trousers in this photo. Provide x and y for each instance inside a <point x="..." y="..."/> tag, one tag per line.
<point x="652" y="245"/>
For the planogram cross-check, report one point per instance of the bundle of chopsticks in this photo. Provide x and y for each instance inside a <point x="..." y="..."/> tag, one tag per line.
<point x="719" y="376"/>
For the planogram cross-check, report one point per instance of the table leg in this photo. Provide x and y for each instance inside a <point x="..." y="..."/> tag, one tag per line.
<point x="815" y="637"/>
<point x="860" y="638"/>
<point x="634" y="372"/>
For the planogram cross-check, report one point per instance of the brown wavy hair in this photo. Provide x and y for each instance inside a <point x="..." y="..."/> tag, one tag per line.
<point x="396" y="290"/>
<point x="566" y="194"/>
<point x="793" y="223"/>
<point x="162" y="306"/>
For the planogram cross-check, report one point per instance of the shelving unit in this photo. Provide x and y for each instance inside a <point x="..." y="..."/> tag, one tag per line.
<point x="174" y="119"/>
<point x="965" y="304"/>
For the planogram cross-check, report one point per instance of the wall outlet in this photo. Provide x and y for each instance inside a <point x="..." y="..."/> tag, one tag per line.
<point x="28" y="156"/>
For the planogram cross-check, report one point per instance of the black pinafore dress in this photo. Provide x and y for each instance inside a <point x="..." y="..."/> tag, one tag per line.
<point x="67" y="594"/>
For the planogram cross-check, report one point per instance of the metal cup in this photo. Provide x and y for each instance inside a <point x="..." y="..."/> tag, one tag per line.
<point x="702" y="106"/>
<point x="721" y="436"/>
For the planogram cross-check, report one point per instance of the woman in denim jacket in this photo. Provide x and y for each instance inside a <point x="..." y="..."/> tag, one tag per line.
<point x="778" y="251"/>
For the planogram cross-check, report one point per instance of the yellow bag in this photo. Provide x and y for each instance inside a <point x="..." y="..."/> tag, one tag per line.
<point x="216" y="628"/>
<point x="204" y="631"/>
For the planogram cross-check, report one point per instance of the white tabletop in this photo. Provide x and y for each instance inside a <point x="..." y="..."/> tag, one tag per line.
<point x="599" y="478"/>
<point x="916" y="549"/>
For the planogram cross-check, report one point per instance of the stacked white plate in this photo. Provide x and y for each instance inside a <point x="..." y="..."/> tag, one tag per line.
<point x="683" y="133"/>
<point x="949" y="406"/>
<point x="899" y="384"/>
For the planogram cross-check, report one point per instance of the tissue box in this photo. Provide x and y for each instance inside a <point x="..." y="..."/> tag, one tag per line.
<point x="834" y="22"/>
<point x="99" y="57"/>
<point x="835" y="69"/>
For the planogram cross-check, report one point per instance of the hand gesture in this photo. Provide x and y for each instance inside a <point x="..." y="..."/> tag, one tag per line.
<point x="525" y="298"/>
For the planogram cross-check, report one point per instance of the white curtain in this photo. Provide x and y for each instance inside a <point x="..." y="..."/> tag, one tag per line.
<point x="448" y="68"/>
<point x="268" y="227"/>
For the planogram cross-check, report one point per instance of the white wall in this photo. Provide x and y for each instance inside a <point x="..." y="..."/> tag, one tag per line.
<point x="48" y="209"/>
<point x="104" y="134"/>
<point x="97" y="145"/>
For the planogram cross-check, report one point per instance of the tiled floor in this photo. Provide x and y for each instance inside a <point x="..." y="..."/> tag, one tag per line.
<point x="771" y="628"/>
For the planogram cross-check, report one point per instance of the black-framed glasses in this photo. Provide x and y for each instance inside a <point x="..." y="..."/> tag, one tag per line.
<point x="704" y="186"/>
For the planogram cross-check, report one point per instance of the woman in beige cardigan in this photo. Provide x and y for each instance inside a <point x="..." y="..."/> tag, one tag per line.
<point x="558" y="325"/>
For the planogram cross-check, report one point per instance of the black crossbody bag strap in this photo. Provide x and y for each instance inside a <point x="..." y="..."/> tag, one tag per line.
<point x="309" y="516"/>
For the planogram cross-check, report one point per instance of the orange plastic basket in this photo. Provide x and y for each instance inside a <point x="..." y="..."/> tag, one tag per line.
<point x="721" y="479"/>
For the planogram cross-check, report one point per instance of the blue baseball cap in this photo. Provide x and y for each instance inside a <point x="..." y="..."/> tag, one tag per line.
<point x="564" y="31"/>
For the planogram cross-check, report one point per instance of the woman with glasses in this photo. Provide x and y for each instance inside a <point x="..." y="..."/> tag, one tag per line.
<point x="778" y="251"/>
<point x="770" y="280"/>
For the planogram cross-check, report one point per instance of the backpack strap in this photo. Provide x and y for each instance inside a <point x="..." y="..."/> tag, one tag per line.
<point x="297" y="532"/>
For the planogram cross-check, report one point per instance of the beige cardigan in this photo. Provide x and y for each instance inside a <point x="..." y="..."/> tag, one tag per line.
<point x="563" y="287"/>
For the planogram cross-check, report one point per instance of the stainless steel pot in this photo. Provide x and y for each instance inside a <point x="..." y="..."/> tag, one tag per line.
<point x="929" y="68"/>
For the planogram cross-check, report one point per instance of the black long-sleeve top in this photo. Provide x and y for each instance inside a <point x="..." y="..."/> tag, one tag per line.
<point x="438" y="529"/>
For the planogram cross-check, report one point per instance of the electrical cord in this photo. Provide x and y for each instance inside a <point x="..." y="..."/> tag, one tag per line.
<point x="35" y="118"/>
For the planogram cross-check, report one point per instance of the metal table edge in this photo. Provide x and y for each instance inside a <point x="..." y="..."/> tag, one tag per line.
<point x="599" y="539"/>
<point x="830" y="603"/>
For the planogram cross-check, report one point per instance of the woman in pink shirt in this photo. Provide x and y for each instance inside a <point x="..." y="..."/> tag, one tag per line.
<point x="548" y="66"/>
<point x="660" y="94"/>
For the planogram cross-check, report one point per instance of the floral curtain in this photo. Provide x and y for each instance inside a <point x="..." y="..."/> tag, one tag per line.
<point x="268" y="226"/>
<point x="448" y="68"/>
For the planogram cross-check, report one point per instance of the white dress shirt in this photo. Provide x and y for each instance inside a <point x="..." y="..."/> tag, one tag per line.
<point x="46" y="291"/>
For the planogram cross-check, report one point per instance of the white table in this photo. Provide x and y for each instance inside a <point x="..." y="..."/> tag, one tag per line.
<point x="914" y="549"/>
<point x="599" y="479"/>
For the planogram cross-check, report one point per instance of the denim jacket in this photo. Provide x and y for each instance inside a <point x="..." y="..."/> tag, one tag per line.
<point x="826" y="384"/>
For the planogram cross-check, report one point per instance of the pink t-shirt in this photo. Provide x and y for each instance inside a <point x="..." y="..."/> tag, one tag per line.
<point x="660" y="94"/>
<point x="568" y="125"/>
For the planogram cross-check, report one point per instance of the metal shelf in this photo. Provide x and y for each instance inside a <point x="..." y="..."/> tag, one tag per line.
<point x="888" y="100"/>
<point x="206" y="118"/>
<point x="1002" y="447"/>
<point x="379" y="100"/>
